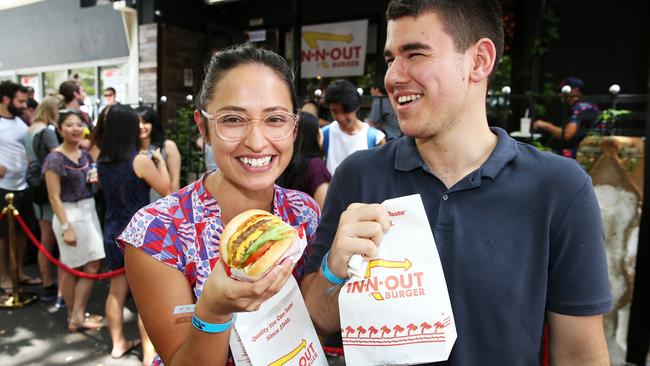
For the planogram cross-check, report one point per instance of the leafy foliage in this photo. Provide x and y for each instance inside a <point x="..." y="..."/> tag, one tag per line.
<point x="182" y="130"/>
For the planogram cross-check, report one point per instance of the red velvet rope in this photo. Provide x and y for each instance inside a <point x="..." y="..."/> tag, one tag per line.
<point x="32" y="238"/>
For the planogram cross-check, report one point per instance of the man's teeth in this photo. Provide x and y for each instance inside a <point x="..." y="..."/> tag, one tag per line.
<point x="256" y="162"/>
<point x="408" y="98"/>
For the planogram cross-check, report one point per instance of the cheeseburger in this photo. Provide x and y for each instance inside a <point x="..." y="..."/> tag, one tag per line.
<point x="253" y="242"/>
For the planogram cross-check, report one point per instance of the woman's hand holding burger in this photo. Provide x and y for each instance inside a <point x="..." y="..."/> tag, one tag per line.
<point x="361" y="228"/>
<point x="223" y="295"/>
<point x="251" y="268"/>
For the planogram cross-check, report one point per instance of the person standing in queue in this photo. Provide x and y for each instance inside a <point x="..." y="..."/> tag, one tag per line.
<point x="70" y="177"/>
<point x="518" y="231"/>
<point x="247" y="110"/>
<point x="152" y="138"/>
<point x="127" y="177"/>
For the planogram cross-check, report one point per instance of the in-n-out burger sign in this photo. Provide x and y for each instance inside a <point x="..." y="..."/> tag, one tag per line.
<point x="334" y="49"/>
<point x="339" y="56"/>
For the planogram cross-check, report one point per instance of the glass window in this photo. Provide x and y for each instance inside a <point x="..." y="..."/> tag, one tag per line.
<point x="52" y="80"/>
<point x="113" y="76"/>
<point x="87" y="78"/>
<point x="33" y="81"/>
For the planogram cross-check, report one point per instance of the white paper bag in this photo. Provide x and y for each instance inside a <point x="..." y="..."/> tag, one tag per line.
<point x="399" y="312"/>
<point x="279" y="333"/>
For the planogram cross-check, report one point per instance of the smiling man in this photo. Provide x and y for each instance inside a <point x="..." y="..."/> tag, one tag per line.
<point x="518" y="231"/>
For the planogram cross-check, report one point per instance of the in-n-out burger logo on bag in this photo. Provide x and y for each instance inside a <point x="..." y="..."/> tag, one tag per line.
<point x="394" y="286"/>
<point x="395" y="309"/>
<point x="304" y="353"/>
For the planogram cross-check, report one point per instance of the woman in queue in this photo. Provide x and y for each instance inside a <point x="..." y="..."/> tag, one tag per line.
<point x="307" y="171"/>
<point x="44" y="122"/>
<point x="126" y="176"/>
<point x="70" y="177"/>
<point x="247" y="110"/>
<point x="152" y="137"/>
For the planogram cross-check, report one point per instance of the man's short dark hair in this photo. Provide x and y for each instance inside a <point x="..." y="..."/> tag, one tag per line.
<point x="571" y="81"/>
<point x="110" y="89"/>
<point x="67" y="90"/>
<point x="344" y="92"/>
<point x="465" y="21"/>
<point x="9" y="89"/>
<point x="32" y="103"/>
<point x="378" y="82"/>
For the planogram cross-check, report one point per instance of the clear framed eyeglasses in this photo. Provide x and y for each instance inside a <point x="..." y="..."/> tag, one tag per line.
<point x="234" y="126"/>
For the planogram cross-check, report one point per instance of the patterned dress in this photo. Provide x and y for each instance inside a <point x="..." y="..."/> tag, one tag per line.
<point x="183" y="230"/>
<point x="124" y="194"/>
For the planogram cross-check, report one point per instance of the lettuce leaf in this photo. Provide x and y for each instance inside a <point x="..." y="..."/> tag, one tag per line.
<point x="275" y="233"/>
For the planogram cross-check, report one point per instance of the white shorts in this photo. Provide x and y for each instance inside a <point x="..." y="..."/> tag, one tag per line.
<point x="83" y="220"/>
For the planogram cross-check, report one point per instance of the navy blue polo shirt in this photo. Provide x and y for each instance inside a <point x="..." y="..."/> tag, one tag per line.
<point x="519" y="236"/>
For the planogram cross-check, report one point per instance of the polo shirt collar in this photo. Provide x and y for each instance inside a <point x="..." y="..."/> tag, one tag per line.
<point x="408" y="158"/>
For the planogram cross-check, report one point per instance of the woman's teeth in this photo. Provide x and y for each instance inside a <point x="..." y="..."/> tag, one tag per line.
<point x="408" y="98"/>
<point x="256" y="162"/>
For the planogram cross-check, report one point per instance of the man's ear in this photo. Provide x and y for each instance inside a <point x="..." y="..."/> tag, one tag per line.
<point x="199" y="121"/>
<point x="483" y="59"/>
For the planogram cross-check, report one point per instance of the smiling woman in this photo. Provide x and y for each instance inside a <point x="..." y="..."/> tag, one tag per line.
<point x="69" y="178"/>
<point x="247" y="111"/>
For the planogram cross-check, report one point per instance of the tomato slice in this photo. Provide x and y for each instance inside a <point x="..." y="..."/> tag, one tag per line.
<point x="258" y="253"/>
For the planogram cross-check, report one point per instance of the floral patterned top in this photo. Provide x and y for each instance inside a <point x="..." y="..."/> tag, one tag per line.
<point x="74" y="186"/>
<point x="183" y="230"/>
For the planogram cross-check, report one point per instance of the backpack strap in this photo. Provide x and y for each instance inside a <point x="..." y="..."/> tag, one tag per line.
<point x="37" y="145"/>
<point x="326" y="140"/>
<point x="372" y="137"/>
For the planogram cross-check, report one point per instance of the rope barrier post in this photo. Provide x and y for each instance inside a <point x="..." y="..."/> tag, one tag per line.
<point x="16" y="299"/>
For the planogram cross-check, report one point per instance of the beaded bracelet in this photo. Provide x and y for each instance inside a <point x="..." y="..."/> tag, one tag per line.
<point x="331" y="277"/>
<point x="211" y="327"/>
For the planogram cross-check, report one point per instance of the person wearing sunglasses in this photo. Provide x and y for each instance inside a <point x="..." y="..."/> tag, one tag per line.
<point x="109" y="96"/>
<point x="247" y="109"/>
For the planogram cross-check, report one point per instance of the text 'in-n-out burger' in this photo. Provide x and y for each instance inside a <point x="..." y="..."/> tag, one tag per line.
<point x="396" y="309"/>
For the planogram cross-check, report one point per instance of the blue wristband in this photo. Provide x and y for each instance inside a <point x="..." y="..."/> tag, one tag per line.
<point x="331" y="277"/>
<point x="211" y="327"/>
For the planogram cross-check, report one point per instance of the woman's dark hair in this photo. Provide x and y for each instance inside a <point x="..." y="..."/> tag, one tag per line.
<point x="98" y="132"/>
<point x="343" y="92"/>
<point x="121" y="134"/>
<point x="157" y="133"/>
<point x="65" y="113"/>
<point x="227" y="59"/>
<point x="305" y="148"/>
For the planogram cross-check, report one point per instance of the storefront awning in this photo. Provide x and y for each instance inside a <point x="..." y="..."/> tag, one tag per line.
<point x="54" y="32"/>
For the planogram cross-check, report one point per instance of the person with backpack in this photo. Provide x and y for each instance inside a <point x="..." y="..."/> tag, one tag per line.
<point x="40" y="140"/>
<point x="347" y="133"/>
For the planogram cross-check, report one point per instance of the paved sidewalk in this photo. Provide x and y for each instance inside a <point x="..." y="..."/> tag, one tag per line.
<point x="38" y="335"/>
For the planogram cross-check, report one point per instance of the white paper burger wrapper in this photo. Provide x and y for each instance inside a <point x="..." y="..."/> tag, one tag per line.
<point x="281" y="331"/>
<point x="294" y="253"/>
